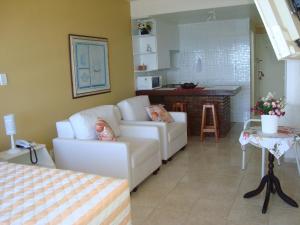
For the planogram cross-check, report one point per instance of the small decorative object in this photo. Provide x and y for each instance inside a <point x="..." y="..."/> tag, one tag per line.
<point x="144" y="27"/>
<point x="149" y="49"/>
<point x="270" y="109"/>
<point x="104" y="131"/>
<point x="142" y="67"/>
<point x="89" y="64"/>
<point x="159" y="113"/>
<point x="10" y="128"/>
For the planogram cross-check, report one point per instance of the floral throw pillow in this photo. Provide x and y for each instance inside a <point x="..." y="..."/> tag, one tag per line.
<point x="159" y="113"/>
<point x="104" y="131"/>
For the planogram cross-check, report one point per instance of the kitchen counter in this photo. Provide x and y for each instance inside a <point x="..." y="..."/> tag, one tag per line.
<point x="195" y="98"/>
<point x="207" y="91"/>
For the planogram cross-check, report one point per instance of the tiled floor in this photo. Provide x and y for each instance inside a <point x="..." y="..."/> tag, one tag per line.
<point x="204" y="185"/>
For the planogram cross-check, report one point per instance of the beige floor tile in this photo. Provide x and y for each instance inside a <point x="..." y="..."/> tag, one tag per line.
<point x="211" y="208"/>
<point x="168" y="217"/>
<point x="247" y="213"/>
<point x="204" y="185"/>
<point x="140" y="212"/>
<point x="280" y="216"/>
<point x="206" y="221"/>
<point x="229" y="222"/>
<point x="148" y="198"/>
<point x="140" y="222"/>
<point x="182" y="203"/>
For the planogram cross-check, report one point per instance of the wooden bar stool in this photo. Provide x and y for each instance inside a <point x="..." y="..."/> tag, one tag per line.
<point x="214" y="128"/>
<point x="179" y="107"/>
<point x="182" y="107"/>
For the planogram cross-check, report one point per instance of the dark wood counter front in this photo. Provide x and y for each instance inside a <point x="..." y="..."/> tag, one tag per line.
<point x="195" y="98"/>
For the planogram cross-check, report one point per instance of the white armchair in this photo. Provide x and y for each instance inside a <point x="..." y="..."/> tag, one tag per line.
<point x="173" y="136"/>
<point x="134" y="156"/>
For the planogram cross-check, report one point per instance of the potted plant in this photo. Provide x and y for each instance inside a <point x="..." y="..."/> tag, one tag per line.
<point x="144" y="27"/>
<point x="270" y="110"/>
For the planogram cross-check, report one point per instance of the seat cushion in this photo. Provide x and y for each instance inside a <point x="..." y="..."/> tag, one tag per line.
<point x="175" y="129"/>
<point x="141" y="149"/>
<point x="84" y="122"/>
<point x="133" y="109"/>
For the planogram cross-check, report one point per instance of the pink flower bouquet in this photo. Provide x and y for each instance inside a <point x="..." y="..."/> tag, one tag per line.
<point x="269" y="106"/>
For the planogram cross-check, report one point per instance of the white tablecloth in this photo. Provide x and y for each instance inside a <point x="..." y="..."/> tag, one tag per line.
<point x="277" y="143"/>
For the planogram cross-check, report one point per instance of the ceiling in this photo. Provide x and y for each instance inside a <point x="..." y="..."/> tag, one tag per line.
<point x="223" y="13"/>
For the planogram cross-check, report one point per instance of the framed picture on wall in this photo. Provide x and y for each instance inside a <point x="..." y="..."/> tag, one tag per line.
<point x="89" y="65"/>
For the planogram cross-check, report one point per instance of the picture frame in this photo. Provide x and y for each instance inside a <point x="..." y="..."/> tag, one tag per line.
<point x="89" y="63"/>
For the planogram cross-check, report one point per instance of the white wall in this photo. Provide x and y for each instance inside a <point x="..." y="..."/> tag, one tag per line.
<point x="216" y="53"/>
<point x="293" y="82"/>
<point x="147" y="8"/>
<point x="273" y="70"/>
<point x="292" y="117"/>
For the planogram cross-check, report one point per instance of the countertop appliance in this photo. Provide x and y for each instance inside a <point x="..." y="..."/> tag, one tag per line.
<point x="148" y="82"/>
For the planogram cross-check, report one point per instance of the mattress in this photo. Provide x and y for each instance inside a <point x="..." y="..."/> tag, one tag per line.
<point x="38" y="195"/>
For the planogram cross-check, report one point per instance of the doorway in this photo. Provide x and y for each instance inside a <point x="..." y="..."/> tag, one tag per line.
<point x="269" y="73"/>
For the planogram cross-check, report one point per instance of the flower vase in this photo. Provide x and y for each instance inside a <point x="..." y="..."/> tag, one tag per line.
<point x="269" y="124"/>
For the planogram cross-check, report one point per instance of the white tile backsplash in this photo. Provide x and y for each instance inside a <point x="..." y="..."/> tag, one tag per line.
<point x="216" y="53"/>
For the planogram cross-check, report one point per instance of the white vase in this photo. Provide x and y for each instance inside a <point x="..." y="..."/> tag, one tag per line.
<point x="269" y="124"/>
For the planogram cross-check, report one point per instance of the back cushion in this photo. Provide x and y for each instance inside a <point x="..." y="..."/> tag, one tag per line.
<point x="133" y="109"/>
<point x="84" y="122"/>
<point x="64" y="129"/>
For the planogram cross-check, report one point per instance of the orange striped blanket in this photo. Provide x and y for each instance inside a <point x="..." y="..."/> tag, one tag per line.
<point x="37" y="195"/>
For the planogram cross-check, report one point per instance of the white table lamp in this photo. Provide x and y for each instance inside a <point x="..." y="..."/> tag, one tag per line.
<point x="10" y="128"/>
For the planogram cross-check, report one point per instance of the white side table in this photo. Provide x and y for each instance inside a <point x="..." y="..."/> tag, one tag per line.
<point x="277" y="143"/>
<point x="22" y="156"/>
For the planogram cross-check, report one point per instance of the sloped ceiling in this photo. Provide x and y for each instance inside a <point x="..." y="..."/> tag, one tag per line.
<point x="147" y="8"/>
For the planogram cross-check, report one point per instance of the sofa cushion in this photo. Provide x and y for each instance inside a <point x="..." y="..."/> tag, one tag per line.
<point x="140" y="149"/>
<point x="64" y="129"/>
<point x="133" y="109"/>
<point x="159" y="113"/>
<point x="104" y="131"/>
<point x="83" y="122"/>
<point x="175" y="129"/>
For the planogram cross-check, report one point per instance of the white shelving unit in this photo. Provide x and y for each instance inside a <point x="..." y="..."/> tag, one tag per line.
<point x="153" y="49"/>
<point x="145" y="48"/>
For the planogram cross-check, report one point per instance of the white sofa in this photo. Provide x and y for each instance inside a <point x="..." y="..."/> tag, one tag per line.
<point x="134" y="156"/>
<point x="173" y="136"/>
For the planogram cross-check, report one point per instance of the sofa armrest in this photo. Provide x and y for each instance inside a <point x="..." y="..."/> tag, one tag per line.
<point x="179" y="116"/>
<point x="92" y="156"/>
<point x="140" y="131"/>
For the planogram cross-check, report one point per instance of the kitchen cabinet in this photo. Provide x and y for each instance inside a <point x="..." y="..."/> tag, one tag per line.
<point x="153" y="49"/>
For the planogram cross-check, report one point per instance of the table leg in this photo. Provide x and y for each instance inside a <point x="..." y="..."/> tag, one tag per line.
<point x="273" y="186"/>
<point x="243" y="157"/>
<point x="297" y="158"/>
<point x="263" y="160"/>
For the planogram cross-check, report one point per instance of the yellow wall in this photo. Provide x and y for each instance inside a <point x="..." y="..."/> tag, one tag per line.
<point x="34" y="52"/>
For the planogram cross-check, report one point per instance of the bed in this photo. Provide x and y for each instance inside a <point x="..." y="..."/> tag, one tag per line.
<point x="38" y="195"/>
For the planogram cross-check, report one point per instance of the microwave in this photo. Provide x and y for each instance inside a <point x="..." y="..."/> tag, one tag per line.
<point x="148" y="82"/>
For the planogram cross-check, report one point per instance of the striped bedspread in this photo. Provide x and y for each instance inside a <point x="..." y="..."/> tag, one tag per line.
<point x="37" y="195"/>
